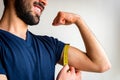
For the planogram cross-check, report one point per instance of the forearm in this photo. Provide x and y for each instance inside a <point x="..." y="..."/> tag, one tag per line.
<point x="94" y="51"/>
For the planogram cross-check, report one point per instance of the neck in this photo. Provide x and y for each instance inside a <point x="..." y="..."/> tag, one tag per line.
<point x="11" y="23"/>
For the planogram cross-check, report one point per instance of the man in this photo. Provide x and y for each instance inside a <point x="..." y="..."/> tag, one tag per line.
<point x="25" y="56"/>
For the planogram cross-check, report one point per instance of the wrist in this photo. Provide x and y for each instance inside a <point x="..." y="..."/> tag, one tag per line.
<point x="78" y="20"/>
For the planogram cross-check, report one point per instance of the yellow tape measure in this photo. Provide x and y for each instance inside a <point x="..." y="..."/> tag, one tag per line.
<point x="65" y="55"/>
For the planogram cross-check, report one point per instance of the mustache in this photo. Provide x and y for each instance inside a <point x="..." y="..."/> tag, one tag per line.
<point x="39" y="4"/>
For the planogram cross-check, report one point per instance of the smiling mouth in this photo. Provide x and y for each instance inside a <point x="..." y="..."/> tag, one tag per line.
<point x="38" y="7"/>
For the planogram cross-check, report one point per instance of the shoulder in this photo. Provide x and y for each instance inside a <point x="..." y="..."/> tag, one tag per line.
<point x="41" y="36"/>
<point x="48" y="41"/>
<point x="46" y="38"/>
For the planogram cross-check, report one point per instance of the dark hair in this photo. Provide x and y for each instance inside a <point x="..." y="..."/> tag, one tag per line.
<point x="5" y="2"/>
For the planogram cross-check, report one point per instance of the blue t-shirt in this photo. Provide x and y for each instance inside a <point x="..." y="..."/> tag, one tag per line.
<point x="31" y="59"/>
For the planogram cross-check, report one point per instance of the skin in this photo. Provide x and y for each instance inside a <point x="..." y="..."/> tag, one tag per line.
<point x="69" y="73"/>
<point x="93" y="60"/>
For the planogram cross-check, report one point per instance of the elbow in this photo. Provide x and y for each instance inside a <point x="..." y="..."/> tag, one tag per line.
<point x="104" y="68"/>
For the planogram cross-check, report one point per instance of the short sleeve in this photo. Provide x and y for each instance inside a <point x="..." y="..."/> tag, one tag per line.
<point x="58" y="46"/>
<point x="59" y="49"/>
<point x="2" y="70"/>
<point x="55" y="45"/>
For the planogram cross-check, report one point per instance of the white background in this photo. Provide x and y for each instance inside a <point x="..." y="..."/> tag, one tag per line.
<point x="103" y="18"/>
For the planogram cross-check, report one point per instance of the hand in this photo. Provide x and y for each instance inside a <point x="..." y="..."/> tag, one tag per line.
<point x="69" y="73"/>
<point x="65" y="18"/>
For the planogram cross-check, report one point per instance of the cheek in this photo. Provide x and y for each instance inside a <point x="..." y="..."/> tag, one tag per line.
<point x="27" y="4"/>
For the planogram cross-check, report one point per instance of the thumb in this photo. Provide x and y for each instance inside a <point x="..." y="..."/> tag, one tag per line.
<point x="65" y="68"/>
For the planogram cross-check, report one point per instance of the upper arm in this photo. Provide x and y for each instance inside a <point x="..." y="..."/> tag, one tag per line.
<point x="79" y="60"/>
<point x="3" y="77"/>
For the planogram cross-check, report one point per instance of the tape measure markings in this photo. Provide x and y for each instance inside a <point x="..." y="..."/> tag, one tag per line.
<point x="65" y="56"/>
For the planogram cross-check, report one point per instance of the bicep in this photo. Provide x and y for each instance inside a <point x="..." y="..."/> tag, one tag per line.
<point x="79" y="60"/>
<point x="3" y="77"/>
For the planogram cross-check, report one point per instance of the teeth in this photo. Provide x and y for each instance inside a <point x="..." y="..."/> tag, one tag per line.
<point x="37" y="9"/>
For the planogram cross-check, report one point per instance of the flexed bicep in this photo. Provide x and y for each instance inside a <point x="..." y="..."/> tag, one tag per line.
<point x="80" y="60"/>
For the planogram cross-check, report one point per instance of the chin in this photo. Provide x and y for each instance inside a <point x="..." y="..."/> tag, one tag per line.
<point x="33" y="23"/>
<point x="31" y="19"/>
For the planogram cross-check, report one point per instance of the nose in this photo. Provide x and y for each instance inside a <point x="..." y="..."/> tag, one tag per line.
<point x="44" y="2"/>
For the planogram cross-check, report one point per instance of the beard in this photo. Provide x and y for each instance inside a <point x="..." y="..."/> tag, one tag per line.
<point x="24" y="13"/>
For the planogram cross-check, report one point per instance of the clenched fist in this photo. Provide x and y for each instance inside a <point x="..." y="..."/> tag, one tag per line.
<point x="65" y="18"/>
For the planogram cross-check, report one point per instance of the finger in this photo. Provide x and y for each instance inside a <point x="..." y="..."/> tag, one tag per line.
<point x="54" y="21"/>
<point x="78" y="73"/>
<point x="65" y="68"/>
<point x="72" y="70"/>
<point x="59" y="19"/>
